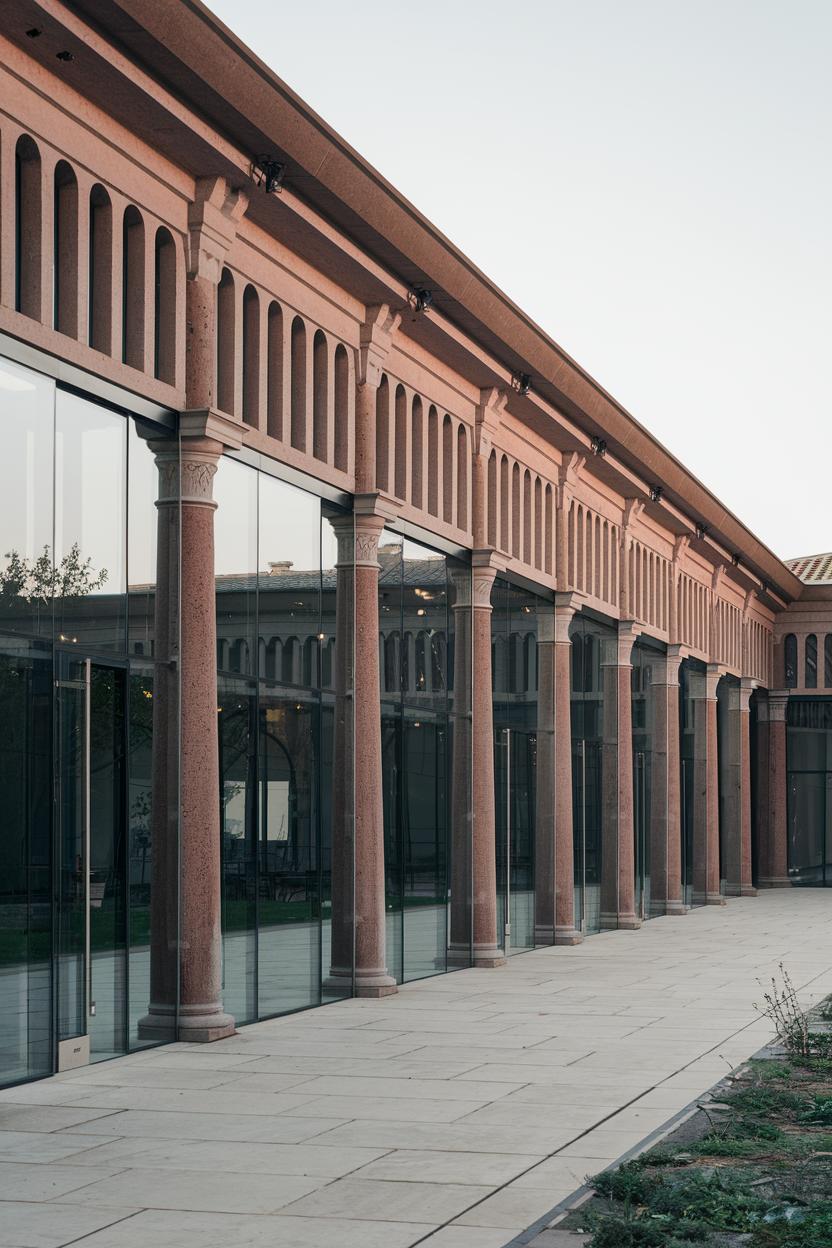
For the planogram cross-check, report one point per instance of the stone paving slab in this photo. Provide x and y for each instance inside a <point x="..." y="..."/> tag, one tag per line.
<point x="455" y="1115"/>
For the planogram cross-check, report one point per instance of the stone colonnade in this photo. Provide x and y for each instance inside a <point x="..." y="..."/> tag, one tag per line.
<point x="186" y="519"/>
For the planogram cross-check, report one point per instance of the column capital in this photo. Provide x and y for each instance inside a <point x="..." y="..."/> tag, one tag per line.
<point x="618" y="651"/>
<point x="213" y="218"/>
<point x="375" y="341"/>
<point x="747" y="687"/>
<point x="778" y="702"/>
<point x="545" y="622"/>
<point x="186" y="473"/>
<point x="666" y="668"/>
<point x="713" y="673"/>
<point x="485" y="564"/>
<point x="567" y="604"/>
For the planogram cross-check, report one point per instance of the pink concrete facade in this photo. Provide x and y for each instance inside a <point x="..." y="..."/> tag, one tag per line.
<point x="271" y="325"/>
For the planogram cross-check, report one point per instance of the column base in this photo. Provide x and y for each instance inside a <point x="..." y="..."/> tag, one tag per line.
<point x="568" y="936"/>
<point x="158" y="1024"/>
<point x="628" y="923"/>
<point x="375" y="983"/>
<point x="748" y="890"/>
<point x="733" y="890"/>
<point x="715" y="899"/>
<point x="544" y="935"/>
<point x="676" y="907"/>
<point x="459" y="956"/>
<point x="487" y="957"/>
<point x="620" y="922"/>
<point x="202" y="1024"/>
<point x="774" y="881"/>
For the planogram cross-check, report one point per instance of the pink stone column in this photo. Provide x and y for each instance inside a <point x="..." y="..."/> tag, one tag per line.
<point x="487" y="952"/>
<point x="618" y="836"/>
<point x="461" y="935"/>
<point x="665" y="796"/>
<point x="544" y="853"/>
<point x="747" y="888"/>
<point x="371" y="975"/>
<point x="160" y="1021"/>
<point x="763" y="793"/>
<point x="731" y="830"/>
<point x="340" y="977"/>
<point x="777" y="875"/>
<point x="713" y="896"/>
<point x="565" y="931"/>
<point x="201" y="1016"/>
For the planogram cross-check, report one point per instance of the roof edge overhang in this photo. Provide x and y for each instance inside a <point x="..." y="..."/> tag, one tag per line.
<point x="189" y="50"/>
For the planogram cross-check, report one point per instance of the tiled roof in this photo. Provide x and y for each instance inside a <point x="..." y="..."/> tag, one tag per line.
<point x="812" y="569"/>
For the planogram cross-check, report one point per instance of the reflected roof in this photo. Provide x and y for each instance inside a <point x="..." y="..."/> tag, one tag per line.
<point x="812" y="569"/>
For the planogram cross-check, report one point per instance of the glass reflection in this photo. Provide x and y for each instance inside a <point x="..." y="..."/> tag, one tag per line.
<point x="809" y="791"/>
<point x="284" y="612"/>
<point x="99" y="790"/>
<point x="424" y="614"/>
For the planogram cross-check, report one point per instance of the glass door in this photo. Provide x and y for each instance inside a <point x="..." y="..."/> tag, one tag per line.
<point x="92" y="988"/>
<point x="642" y="845"/>
<point x="515" y="771"/>
<point x="586" y="833"/>
<point x="810" y="834"/>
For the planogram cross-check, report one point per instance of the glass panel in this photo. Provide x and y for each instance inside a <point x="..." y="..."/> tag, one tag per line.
<point x="811" y="661"/>
<point x="235" y="564"/>
<point x="237" y="705"/>
<point x="289" y="929"/>
<point x="26" y="491"/>
<point x="71" y="909"/>
<point x="523" y="773"/>
<point x="595" y="766"/>
<point x="336" y="755"/>
<point x="807" y="827"/>
<point x="108" y="847"/>
<point x="424" y="845"/>
<point x="692" y="761"/>
<point x="25" y="895"/>
<point x="90" y="524"/>
<point x="728" y="749"/>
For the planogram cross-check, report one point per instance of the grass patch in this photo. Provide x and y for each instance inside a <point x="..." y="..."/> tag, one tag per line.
<point x="757" y="1171"/>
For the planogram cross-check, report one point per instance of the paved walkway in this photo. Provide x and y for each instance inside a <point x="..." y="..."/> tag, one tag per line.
<point x="454" y="1115"/>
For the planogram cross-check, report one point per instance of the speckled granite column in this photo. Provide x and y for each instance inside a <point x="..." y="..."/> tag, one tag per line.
<point x="201" y="1016"/>
<point x="618" y="852"/>
<point x="565" y="931"/>
<point x="461" y="936"/>
<point x="665" y="798"/>
<point x="486" y="949"/>
<point x="371" y="976"/>
<point x="544" y="851"/>
<point x="778" y="864"/>
<point x="713" y="896"/>
<point x="747" y="888"/>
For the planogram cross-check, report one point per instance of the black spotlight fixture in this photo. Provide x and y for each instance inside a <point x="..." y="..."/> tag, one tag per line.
<point x="33" y="33"/>
<point x="419" y="299"/>
<point x="598" y="446"/>
<point x="269" y="173"/>
<point x="701" y="530"/>
<point x="656" y="492"/>
<point x="521" y="383"/>
<point x="735" y="559"/>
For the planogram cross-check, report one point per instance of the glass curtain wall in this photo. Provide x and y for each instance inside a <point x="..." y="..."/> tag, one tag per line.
<point x="649" y="815"/>
<point x="730" y="780"/>
<point x="809" y="792"/>
<point x="284" y="573"/>
<point x="425" y="672"/>
<point x="514" y="669"/>
<point x="692" y="779"/>
<point x="89" y="738"/>
<point x="594" y="772"/>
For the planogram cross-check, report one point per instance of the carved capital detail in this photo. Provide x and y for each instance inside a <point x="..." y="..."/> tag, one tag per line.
<point x="376" y="339"/>
<point x="213" y="218"/>
<point x="187" y="478"/>
<point x="482" y="582"/>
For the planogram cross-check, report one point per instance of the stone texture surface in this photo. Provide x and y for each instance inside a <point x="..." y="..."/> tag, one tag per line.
<point x="457" y="1114"/>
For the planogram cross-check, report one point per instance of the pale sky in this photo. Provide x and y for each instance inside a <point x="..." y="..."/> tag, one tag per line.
<point x="648" y="179"/>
